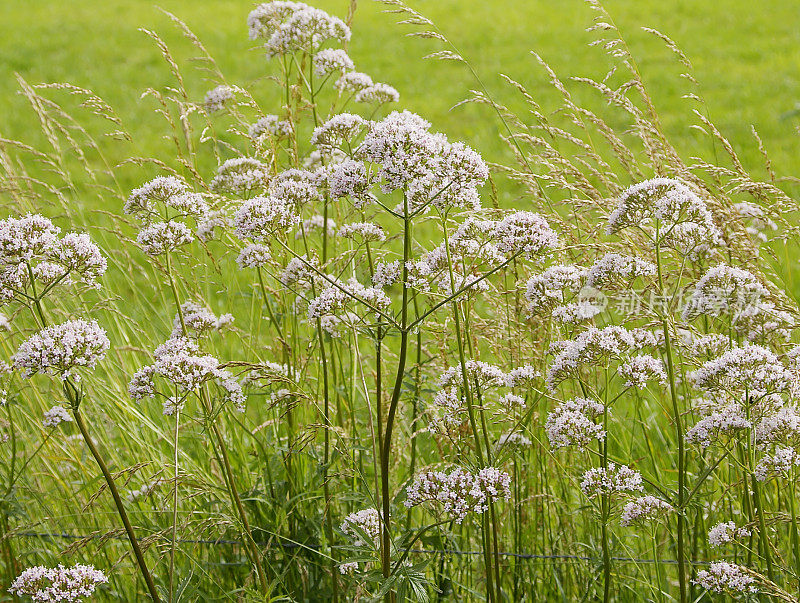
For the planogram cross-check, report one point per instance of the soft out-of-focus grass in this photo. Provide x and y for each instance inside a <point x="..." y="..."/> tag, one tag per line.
<point x="746" y="60"/>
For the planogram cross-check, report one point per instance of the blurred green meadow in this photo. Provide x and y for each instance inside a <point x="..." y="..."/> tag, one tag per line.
<point x="746" y="57"/>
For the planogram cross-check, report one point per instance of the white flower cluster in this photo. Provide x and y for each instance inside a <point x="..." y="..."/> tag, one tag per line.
<point x="55" y="416"/>
<point x="572" y="423"/>
<point x="522" y="376"/>
<point x="340" y="129"/>
<point x="750" y="368"/>
<point x="616" y="479"/>
<point x="594" y="346"/>
<point x="724" y="291"/>
<point x="459" y="492"/>
<point x="314" y="223"/>
<point x="638" y="370"/>
<point x="755" y="219"/>
<point x="546" y="289"/>
<point x="198" y="320"/>
<point x="254" y="255"/>
<point x="645" y="508"/>
<point x="366" y="231"/>
<point x="781" y="426"/>
<point x="60" y="349"/>
<point x="724" y="577"/>
<point x="367" y="521"/>
<point x="30" y="247"/>
<point x="258" y="218"/>
<point x="614" y="269"/>
<point x="64" y="584"/>
<point x="270" y="124"/>
<point x="478" y="372"/>
<point x="336" y="300"/>
<point x="726" y="532"/>
<point x="386" y="273"/>
<point x="672" y="213"/>
<point x="299" y="272"/>
<point x="332" y="60"/>
<point x="217" y="97"/>
<point x="527" y="233"/>
<point x="146" y="490"/>
<point x="514" y="441"/>
<point x="723" y="420"/>
<point x="289" y="27"/>
<point x="780" y="463"/>
<point x="430" y="169"/>
<point x="348" y="568"/>
<point x="162" y="205"/>
<point x="241" y="176"/>
<point x="180" y="362"/>
<point x="377" y="94"/>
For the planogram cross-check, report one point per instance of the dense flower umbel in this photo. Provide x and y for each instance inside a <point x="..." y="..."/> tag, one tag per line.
<point x="724" y="291"/>
<point x="60" y="349"/>
<point x="572" y="423"/>
<point x="289" y="27"/>
<point x="180" y="361"/>
<point x="670" y="211"/>
<point x="726" y="532"/>
<point x="616" y="479"/>
<point x="724" y="577"/>
<point x="615" y="269"/>
<point x="241" y="176"/>
<point x="30" y="246"/>
<point x="367" y="521"/>
<point x="643" y="509"/>
<point x="55" y="416"/>
<point x="61" y="583"/>
<point x="459" y="492"/>
<point x="198" y="320"/>
<point x="724" y="420"/>
<point x="526" y="233"/>
<point x="750" y="368"/>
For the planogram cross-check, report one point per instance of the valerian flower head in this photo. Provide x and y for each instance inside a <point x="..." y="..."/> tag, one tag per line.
<point x="782" y="462"/>
<point x="522" y="376"/>
<point x="546" y="289"/>
<point x="254" y="255"/>
<point x="30" y="248"/>
<point x="724" y="291"/>
<point x="756" y="221"/>
<point x="61" y="349"/>
<point x="643" y="509"/>
<point x="297" y="187"/>
<point x="288" y="27"/>
<point x="162" y="237"/>
<point x="616" y="479"/>
<point x="750" y="368"/>
<point x="180" y="362"/>
<point x="527" y="233"/>
<point x="217" y="98"/>
<point x="198" y="320"/>
<point x="459" y="492"/>
<point x="353" y="81"/>
<point x="367" y="521"/>
<point x="638" y="370"/>
<point x="726" y="532"/>
<point x="724" y="577"/>
<point x="241" y="176"/>
<point x="386" y="273"/>
<point x="61" y="583"/>
<point x="362" y="231"/>
<point x="727" y="419"/>
<point x="593" y="346"/>
<point x="481" y="373"/>
<point x="143" y="202"/>
<point x="668" y="209"/>
<point x="572" y="423"/>
<point x="55" y="416"/>
<point x="377" y="94"/>
<point x="614" y="269"/>
<point x="260" y="217"/>
<point x="332" y="60"/>
<point x="339" y="129"/>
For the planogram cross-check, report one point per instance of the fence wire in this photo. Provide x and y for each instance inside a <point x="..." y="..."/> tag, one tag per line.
<point x="291" y="545"/>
